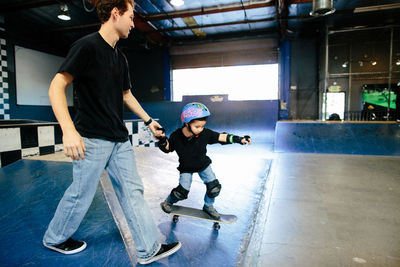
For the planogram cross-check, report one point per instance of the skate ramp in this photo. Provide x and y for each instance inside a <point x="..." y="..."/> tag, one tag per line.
<point x="338" y="138"/>
<point x="31" y="189"/>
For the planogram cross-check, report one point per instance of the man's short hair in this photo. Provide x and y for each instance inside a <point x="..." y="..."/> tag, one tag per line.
<point x="104" y="8"/>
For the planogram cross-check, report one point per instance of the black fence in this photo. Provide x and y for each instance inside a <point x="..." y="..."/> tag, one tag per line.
<point x="372" y="115"/>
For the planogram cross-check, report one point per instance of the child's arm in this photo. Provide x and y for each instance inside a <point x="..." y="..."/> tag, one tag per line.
<point x="163" y="144"/>
<point x="225" y="138"/>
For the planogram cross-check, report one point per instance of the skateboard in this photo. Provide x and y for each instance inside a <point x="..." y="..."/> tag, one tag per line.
<point x="200" y="214"/>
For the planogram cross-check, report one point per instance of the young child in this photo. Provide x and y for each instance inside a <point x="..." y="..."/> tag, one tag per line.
<point x="190" y="143"/>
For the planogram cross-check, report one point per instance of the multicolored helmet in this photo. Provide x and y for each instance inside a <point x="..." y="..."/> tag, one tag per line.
<point x="194" y="111"/>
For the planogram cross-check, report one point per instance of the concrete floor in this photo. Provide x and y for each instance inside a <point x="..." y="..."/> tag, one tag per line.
<point x="329" y="210"/>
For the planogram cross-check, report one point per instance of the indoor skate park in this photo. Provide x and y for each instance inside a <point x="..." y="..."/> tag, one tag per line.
<point x="318" y="84"/>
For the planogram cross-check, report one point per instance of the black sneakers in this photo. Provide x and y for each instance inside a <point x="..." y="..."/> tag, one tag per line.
<point x="166" y="206"/>
<point x="68" y="247"/>
<point x="165" y="251"/>
<point x="210" y="210"/>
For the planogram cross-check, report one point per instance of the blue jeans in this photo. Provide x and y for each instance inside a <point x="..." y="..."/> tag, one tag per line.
<point x="119" y="161"/>
<point x="185" y="180"/>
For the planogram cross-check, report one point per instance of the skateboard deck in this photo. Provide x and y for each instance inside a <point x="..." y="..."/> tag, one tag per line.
<point x="200" y="214"/>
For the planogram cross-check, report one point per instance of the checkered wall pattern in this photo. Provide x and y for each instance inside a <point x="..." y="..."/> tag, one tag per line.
<point x="28" y="140"/>
<point x="46" y="138"/>
<point x="139" y="134"/>
<point x="4" y="95"/>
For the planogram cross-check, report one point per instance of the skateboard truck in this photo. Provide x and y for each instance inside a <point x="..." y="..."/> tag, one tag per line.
<point x="216" y="225"/>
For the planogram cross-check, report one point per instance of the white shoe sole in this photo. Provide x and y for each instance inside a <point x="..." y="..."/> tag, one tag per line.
<point x="66" y="252"/>
<point x="163" y="255"/>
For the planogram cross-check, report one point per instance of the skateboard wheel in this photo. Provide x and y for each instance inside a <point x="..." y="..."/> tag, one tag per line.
<point x="216" y="226"/>
<point x="175" y="218"/>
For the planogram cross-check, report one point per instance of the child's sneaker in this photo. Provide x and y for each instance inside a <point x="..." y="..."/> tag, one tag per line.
<point x="165" y="251"/>
<point x="210" y="210"/>
<point x="166" y="206"/>
<point x="68" y="247"/>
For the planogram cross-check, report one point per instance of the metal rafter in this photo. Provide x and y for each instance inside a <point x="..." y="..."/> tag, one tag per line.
<point x="207" y="10"/>
<point x="282" y="15"/>
<point x="217" y="9"/>
<point x="139" y="22"/>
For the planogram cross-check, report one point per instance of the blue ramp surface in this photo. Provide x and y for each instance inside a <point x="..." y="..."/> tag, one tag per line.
<point x="338" y="138"/>
<point x="29" y="194"/>
<point x="30" y="191"/>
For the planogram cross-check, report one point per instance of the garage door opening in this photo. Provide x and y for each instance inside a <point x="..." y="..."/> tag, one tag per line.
<point x="250" y="82"/>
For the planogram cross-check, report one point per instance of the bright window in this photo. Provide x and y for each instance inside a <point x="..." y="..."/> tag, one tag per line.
<point x="335" y="104"/>
<point x="255" y="82"/>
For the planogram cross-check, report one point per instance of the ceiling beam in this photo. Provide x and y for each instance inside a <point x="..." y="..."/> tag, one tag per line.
<point x="282" y="16"/>
<point x="142" y="25"/>
<point x="139" y="22"/>
<point x="208" y="10"/>
<point x="213" y="25"/>
<point x="295" y="2"/>
<point x="282" y="19"/>
<point x="376" y="8"/>
<point x="217" y="9"/>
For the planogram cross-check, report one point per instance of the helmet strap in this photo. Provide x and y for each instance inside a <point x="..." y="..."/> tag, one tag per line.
<point x="190" y="130"/>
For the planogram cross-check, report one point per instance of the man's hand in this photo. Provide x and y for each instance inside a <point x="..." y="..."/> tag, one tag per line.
<point x="74" y="147"/>
<point x="156" y="129"/>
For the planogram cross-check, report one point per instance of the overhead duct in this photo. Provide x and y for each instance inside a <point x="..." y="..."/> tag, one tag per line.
<point x="322" y="8"/>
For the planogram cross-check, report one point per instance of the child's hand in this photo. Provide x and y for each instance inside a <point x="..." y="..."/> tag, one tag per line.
<point x="163" y="144"/>
<point x="246" y="140"/>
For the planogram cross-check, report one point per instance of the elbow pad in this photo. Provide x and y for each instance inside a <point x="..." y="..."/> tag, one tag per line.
<point x="227" y="140"/>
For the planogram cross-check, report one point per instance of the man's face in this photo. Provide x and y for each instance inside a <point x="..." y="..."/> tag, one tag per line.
<point x="125" y="23"/>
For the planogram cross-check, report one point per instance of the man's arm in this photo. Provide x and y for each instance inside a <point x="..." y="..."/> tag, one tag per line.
<point x="132" y="103"/>
<point x="72" y="140"/>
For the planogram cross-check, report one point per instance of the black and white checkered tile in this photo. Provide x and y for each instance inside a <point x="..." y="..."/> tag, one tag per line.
<point x="29" y="140"/>
<point x="4" y="93"/>
<point x="42" y="139"/>
<point x="139" y="134"/>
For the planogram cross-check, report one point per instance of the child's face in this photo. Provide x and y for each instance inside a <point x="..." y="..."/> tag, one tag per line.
<point x="197" y="126"/>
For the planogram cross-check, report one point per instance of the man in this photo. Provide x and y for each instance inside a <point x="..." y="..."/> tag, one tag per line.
<point x="98" y="138"/>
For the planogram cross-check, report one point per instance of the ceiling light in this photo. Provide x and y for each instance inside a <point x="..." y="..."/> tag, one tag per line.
<point x="322" y="8"/>
<point x="177" y="2"/>
<point x="373" y="63"/>
<point x="344" y="65"/>
<point x="398" y="62"/>
<point x="64" y="14"/>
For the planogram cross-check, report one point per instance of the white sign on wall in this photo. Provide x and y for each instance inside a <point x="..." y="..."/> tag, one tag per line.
<point x="34" y="71"/>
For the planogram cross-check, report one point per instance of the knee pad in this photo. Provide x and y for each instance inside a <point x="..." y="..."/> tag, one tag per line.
<point x="179" y="193"/>
<point x="213" y="188"/>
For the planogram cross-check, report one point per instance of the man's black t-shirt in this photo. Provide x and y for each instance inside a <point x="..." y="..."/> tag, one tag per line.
<point x="192" y="151"/>
<point x="100" y="76"/>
